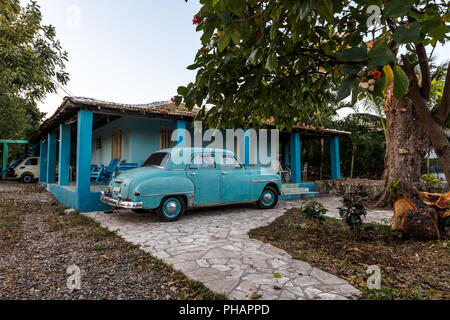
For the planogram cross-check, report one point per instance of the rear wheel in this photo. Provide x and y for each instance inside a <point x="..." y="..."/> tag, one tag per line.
<point x="171" y="209"/>
<point x="27" y="178"/>
<point x="269" y="198"/>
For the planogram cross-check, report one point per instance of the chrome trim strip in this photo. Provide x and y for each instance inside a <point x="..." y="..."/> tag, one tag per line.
<point x="166" y="194"/>
<point x="264" y="181"/>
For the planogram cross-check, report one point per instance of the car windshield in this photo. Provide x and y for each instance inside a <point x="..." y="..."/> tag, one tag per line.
<point x="158" y="159"/>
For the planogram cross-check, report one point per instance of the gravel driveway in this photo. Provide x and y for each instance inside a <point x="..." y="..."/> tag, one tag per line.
<point x="38" y="243"/>
<point x="212" y="246"/>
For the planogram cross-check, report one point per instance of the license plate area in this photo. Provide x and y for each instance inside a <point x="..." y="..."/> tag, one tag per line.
<point x="116" y="189"/>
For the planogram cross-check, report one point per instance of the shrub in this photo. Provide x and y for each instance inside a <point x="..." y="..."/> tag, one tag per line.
<point x="314" y="210"/>
<point x="353" y="210"/>
<point x="430" y="180"/>
<point x="395" y="189"/>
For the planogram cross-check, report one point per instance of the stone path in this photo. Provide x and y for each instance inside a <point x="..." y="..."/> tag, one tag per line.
<point x="212" y="246"/>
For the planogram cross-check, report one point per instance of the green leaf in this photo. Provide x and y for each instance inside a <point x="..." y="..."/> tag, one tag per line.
<point x="407" y="33"/>
<point x="207" y="34"/>
<point x="356" y="54"/>
<point x="253" y="55"/>
<point x="273" y="31"/>
<point x="380" y="56"/>
<point x="345" y="89"/>
<point x="305" y="8"/>
<point x="397" y="8"/>
<point x="350" y="68"/>
<point x="183" y="91"/>
<point x="272" y="62"/>
<point x="236" y="36"/>
<point x="325" y="9"/>
<point x="223" y="41"/>
<point x="192" y="67"/>
<point x="401" y="82"/>
<point x="435" y="28"/>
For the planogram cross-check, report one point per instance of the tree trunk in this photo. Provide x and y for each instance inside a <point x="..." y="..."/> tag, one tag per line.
<point x="353" y="163"/>
<point x="407" y="146"/>
<point x="421" y="225"/>
<point x="432" y="123"/>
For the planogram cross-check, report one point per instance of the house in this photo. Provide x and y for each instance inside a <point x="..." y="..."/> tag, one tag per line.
<point x="85" y="131"/>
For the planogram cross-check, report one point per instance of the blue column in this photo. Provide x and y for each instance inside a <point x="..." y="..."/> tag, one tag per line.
<point x="181" y="138"/>
<point x="335" y="159"/>
<point x="51" y="158"/>
<point x="247" y="148"/>
<point x="84" y="155"/>
<point x="296" y="164"/>
<point x="43" y="162"/>
<point x="286" y="154"/>
<point x="64" y="155"/>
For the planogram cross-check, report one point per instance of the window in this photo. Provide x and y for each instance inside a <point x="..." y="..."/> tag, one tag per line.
<point x="203" y="162"/>
<point x="166" y="138"/>
<point x="158" y="159"/>
<point x="32" y="162"/>
<point x="229" y="162"/>
<point x="116" y="148"/>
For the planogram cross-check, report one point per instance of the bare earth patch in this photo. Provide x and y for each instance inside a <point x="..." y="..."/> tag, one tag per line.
<point x="409" y="269"/>
<point x="38" y="242"/>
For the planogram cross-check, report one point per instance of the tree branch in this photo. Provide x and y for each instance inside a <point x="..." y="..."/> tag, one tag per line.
<point x="444" y="109"/>
<point x="424" y="70"/>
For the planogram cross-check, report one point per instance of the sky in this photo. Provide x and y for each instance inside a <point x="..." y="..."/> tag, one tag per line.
<point x="128" y="51"/>
<point x="125" y="51"/>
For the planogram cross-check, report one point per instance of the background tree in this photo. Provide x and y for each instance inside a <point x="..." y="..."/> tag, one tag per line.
<point x="32" y="63"/>
<point x="272" y="58"/>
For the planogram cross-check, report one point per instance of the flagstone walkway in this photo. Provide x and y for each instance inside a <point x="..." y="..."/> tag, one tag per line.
<point x="212" y="246"/>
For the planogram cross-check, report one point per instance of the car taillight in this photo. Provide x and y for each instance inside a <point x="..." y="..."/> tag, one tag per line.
<point x="137" y="194"/>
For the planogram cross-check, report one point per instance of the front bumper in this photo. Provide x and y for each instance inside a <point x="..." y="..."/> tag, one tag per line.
<point x="117" y="203"/>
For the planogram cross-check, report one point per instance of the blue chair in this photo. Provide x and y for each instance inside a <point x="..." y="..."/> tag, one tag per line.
<point x="126" y="167"/>
<point x="104" y="174"/>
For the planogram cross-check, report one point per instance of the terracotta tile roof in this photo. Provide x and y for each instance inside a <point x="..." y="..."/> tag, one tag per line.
<point x="163" y="109"/>
<point x="312" y="129"/>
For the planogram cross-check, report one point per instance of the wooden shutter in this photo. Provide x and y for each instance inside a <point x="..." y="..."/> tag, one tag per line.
<point x="116" y="149"/>
<point x="166" y="138"/>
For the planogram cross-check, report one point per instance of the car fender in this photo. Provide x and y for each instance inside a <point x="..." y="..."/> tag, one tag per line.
<point x="260" y="182"/>
<point x="153" y="191"/>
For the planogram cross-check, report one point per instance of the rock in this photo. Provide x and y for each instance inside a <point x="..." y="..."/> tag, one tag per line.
<point x="71" y="212"/>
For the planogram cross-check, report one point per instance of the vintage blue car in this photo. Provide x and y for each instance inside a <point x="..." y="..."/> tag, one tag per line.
<point x="207" y="177"/>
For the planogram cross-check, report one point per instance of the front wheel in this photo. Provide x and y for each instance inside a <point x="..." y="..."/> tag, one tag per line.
<point x="27" y="178"/>
<point x="269" y="198"/>
<point x="171" y="209"/>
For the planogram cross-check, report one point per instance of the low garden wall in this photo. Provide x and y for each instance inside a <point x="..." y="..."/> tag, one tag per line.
<point x="373" y="187"/>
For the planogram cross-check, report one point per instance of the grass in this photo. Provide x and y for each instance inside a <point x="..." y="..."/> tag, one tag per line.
<point x="409" y="269"/>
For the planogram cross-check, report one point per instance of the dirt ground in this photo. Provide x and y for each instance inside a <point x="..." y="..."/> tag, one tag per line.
<point x="39" y="242"/>
<point x="409" y="269"/>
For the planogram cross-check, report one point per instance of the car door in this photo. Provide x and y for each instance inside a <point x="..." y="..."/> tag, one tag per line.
<point x="234" y="180"/>
<point x="204" y="174"/>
